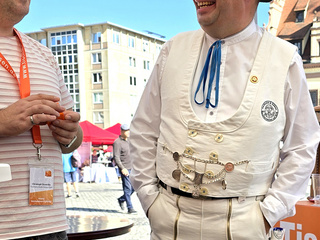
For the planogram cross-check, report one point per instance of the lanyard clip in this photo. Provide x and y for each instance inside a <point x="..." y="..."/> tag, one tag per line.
<point x="38" y="147"/>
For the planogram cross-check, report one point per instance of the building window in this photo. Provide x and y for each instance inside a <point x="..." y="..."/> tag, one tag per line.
<point x="98" y="97"/>
<point x="299" y="16"/>
<point x="74" y="38"/>
<point x="145" y="46"/>
<point x="77" y="106"/>
<point x="64" y="47"/>
<point x="97" y="77"/>
<point x="58" y="40"/>
<point x="98" y="117"/>
<point x="146" y="65"/>
<point x="314" y="97"/>
<point x="96" y="37"/>
<point x="158" y="49"/>
<point x="132" y="62"/>
<point x="116" y="37"/>
<point x="133" y="81"/>
<point x="298" y="44"/>
<point x="131" y="42"/>
<point x="96" y="57"/>
<point x="53" y="41"/>
<point x="63" y="40"/>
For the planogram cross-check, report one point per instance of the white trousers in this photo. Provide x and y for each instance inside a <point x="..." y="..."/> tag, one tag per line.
<point x="174" y="217"/>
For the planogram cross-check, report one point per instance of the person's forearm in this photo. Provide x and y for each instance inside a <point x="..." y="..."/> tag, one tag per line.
<point x="119" y="163"/>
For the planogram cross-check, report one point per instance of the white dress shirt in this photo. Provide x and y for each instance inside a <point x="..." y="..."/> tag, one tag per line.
<point x="232" y="83"/>
<point x="298" y="142"/>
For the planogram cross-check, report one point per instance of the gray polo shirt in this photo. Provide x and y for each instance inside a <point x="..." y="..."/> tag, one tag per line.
<point x="121" y="153"/>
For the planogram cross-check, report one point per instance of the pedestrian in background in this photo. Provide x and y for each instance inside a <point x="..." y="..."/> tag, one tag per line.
<point x="94" y="156"/>
<point x="71" y="175"/>
<point x="121" y="155"/>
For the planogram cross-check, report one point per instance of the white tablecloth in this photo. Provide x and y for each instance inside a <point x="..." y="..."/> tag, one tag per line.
<point x="99" y="173"/>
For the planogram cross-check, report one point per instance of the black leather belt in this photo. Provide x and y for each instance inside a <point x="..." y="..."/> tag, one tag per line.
<point x="188" y="195"/>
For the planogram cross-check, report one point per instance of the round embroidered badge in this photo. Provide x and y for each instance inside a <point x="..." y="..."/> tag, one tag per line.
<point x="269" y="111"/>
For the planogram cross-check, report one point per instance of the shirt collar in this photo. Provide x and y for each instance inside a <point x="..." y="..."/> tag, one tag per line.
<point x="238" y="37"/>
<point x="122" y="138"/>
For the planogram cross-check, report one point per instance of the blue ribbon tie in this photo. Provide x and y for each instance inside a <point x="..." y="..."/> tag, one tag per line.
<point x="214" y="70"/>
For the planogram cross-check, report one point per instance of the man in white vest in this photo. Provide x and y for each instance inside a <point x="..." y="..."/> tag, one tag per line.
<point x="224" y="139"/>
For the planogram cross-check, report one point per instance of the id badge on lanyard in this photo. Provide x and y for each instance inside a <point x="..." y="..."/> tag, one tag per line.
<point x="41" y="172"/>
<point x="41" y="183"/>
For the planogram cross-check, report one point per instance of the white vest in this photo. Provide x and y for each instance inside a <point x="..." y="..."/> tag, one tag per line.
<point x="232" y="158"/>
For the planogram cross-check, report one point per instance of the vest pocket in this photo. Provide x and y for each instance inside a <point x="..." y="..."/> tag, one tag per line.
<point x="262" y="176"/>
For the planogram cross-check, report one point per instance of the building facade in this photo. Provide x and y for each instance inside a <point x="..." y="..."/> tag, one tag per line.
<point x="298" y="21"/>
<point x="105" y="67"/>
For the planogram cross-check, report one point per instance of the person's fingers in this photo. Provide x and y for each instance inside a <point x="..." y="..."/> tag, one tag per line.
<point x="64" y="125"/>
<point x="64" y="136"/>
<point x="62" y="139"/>
<point x="38" y="119"/>
<point x="72" y="116"/>
<point x="64" y="130"/>
<point x="21" y="115"/>
<point x="42" y="97"/>
<point x="43" y="106"/>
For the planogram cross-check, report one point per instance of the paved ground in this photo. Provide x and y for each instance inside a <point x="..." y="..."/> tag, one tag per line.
<point x="101" y="199"/>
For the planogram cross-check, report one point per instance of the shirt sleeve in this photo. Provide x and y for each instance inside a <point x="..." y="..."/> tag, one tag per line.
<point x="116" y="154"/>
<point x="144" y="133"/>
<point x="297" y="156"/>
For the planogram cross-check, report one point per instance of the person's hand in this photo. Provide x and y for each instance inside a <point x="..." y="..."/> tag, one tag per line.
<point x="17" y="118"/>
<point x="125" y="172"/>
<point x="65" y="130"/>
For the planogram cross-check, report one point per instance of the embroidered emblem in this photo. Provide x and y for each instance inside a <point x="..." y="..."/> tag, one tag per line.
<point x="269" y="111"/>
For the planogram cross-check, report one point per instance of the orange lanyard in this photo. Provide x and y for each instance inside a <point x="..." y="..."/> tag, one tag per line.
<point x="24" y="87"/>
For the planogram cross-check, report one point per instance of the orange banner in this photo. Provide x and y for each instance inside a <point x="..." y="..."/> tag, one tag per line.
<point x="305" y="225"/>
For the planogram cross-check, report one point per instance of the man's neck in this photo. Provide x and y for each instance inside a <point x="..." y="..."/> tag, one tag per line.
<point x="6" y="31"/>
<point x="123" y="137"/>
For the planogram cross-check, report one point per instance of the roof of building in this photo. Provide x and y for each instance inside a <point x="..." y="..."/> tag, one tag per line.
<point x="148" y="34"/>
<point x="301" y="5"/>
<point x="288" y="28"/>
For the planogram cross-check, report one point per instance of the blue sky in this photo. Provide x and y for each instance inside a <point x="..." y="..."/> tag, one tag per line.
<point x="163" y="17"/>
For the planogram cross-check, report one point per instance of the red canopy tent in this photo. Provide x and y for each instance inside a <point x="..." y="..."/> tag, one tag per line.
<point x="93" y="135"/>
<point x="115" y="129"/>
<point x="96" y="135"/>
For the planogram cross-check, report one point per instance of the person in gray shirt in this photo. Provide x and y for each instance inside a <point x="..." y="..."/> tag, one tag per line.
<point x="121" y="154"/>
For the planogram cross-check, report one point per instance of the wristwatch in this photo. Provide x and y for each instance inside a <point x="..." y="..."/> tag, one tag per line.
<point x="70" y="144"/>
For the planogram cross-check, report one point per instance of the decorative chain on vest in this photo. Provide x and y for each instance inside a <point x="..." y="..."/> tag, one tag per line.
<point x="198" y="178"/>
